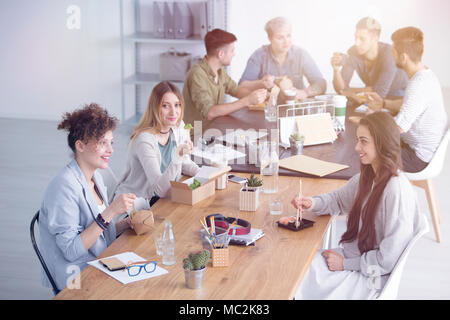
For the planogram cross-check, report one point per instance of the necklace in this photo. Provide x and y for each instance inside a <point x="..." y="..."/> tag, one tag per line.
<point x="165" y="132"/>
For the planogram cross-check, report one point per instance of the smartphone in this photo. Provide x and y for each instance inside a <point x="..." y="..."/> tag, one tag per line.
<point x="112" y="264"/>
<point x="236" y="179"/>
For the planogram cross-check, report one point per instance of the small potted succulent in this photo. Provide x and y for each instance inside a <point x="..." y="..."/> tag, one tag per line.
<point x="194" y="267"/>
<point x="296" y="140"/>
<point x="249" y="194"/>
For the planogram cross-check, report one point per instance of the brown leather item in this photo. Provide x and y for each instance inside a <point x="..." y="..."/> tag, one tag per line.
<point x="142" y="221"/>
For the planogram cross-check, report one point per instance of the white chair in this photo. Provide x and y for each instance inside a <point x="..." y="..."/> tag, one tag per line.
<point x="390" y="289"/>
<point x="423" y="180"/>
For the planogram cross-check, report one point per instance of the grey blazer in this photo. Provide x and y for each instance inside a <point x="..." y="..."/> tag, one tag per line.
<point x="69" y="208"/>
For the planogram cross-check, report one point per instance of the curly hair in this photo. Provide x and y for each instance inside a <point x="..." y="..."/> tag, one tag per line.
<point x="89" y="122"/>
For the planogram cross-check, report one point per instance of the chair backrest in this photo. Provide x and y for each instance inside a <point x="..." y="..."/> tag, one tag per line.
<point x="38" y="253"/>
<point x="110" y="180"/>
<point x="434" y="168"/>
<point x="390" y="289"/>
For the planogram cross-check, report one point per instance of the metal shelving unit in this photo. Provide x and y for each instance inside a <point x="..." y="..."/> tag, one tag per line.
<point x="144" y="39"/>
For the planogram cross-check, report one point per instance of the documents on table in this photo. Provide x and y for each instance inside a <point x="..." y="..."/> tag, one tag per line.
<point x="241" y="137"/>
<point x="305" y="164"/>
<point x="122" y="275"/>
<point x="217" y="153"/>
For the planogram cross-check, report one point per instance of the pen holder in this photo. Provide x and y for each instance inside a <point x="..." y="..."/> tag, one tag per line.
<point x="220" y="257"/>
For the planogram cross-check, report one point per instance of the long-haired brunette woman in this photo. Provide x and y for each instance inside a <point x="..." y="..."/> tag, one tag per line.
<point x="75" y="219"/>
<point x="157" y="145"/>
<point x="382" y="214"/>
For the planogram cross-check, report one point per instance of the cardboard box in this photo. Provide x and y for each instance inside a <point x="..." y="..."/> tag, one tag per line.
<point x="181" y="192"/>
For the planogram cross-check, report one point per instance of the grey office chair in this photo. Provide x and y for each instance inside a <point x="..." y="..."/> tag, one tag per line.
<point x="38" y="253"/>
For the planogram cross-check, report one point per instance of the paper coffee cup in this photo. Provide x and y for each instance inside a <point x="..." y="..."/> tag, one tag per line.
<point x="340" y="105"/>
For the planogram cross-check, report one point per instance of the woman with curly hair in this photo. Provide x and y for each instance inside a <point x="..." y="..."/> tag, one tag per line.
<point x="383" y="217"/>
<point x="75" y="219"/>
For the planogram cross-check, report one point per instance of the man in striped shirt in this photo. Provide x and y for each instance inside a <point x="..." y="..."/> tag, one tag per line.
<point x="420" y="115"/>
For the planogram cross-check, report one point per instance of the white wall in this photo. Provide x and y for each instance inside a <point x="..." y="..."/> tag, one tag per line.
<point x="47" y="69"/>
<point x="324" y="26"/>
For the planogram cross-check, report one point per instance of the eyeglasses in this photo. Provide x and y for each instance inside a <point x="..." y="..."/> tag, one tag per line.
<point x="135" y="268"/>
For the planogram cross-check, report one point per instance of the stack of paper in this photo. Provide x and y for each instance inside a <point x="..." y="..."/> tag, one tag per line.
<point x="249" y="238"/>
<point x="217" y="154"/>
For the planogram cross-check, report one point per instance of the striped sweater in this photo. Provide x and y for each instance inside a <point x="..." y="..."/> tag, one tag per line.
<point x="422" y="116"/>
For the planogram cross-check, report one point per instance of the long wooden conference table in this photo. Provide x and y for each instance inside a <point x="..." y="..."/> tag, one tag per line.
<point x="272" y="269"/>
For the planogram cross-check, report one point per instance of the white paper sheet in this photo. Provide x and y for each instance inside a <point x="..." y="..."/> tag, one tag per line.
<point x="218" y="153"/>
<point x="240" y="137"/>
<point x="122" y="275"/>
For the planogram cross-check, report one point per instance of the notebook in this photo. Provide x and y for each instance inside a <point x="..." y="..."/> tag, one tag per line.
<point x="305" y="164"/>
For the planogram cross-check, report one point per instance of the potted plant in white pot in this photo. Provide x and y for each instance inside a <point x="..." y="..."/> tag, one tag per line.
<point x="249" y="194"/>
<point x="296" y="140"/>
<point x="194" y="267"/>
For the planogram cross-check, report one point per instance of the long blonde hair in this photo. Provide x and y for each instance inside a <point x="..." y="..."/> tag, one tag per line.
<point x="151" y="118"/>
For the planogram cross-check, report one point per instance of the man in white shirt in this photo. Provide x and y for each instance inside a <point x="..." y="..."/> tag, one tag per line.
<point x="420" y="115"/>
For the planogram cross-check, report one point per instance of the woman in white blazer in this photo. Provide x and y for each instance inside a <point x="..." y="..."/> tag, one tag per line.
<point x="75" y="216"/>
<point x="159" y="145"/>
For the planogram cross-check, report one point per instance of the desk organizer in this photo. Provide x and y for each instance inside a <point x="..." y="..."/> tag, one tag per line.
<point x="220" y="257"/>
<point x="291" y="225"/>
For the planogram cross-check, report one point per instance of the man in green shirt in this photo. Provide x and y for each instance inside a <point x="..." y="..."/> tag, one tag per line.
<point x="207" y="82"/>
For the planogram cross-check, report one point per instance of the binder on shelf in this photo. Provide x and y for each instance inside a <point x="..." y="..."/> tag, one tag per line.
<point x="183" y="20"/>
<point x="158" y="19"/>
<point x="169" y="32"/>
<point x="203" y="19"/>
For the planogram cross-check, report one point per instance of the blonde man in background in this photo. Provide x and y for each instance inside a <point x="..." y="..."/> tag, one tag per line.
<point x="281" y="58"/>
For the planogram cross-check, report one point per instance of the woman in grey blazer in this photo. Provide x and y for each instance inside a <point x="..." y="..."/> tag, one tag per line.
<point x="75" y="216"/>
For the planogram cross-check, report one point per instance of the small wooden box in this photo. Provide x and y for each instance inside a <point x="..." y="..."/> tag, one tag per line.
<point x="220" y="257"/>
<point x="181" y="193"/>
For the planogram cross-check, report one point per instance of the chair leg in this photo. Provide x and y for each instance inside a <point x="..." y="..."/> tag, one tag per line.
<point x="432" y="203"/>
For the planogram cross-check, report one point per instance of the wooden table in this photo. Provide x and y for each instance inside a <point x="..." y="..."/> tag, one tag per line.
<point x="272" y="269"/>
<point x="341" y="151"/>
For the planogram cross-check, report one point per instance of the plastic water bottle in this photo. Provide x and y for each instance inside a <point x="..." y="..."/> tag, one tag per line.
<point x="168" y="239"/>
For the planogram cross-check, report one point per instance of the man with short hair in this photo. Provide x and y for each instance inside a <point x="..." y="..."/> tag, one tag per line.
<point x="207" y="82"/>
<point x="421" y="116"/>
<point x="281" y="58"/>
<point x="372" y="61"/>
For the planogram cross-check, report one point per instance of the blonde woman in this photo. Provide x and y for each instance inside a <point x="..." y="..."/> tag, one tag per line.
<point x="157" y="147"/>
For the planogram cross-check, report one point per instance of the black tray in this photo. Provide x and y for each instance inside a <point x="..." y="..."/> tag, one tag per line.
<point x="305" y="223"/>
